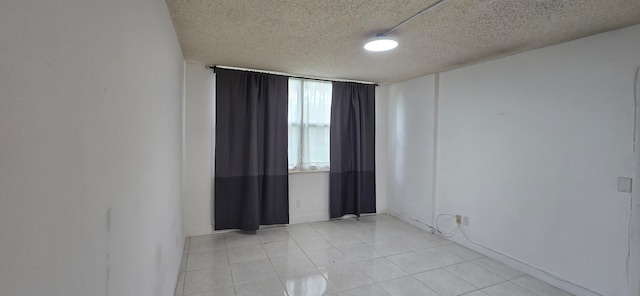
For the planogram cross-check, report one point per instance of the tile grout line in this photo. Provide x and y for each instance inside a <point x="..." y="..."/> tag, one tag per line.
<point x="309" y="258"/>
<point x="273" y="266"/>
<point x="186" y="259"/>
<point x="350" y="229"/>
<point x="233" y="285"/>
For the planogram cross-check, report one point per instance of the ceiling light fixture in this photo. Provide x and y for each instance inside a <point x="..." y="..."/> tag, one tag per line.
<point x="383" y="43"/>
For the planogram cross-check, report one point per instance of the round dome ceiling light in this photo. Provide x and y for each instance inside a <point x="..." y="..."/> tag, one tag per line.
<point x="381" y="43"/>
<point x="384" y="43"/>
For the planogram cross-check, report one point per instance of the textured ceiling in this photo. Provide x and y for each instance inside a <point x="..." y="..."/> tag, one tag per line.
<point x="325" y="38"/>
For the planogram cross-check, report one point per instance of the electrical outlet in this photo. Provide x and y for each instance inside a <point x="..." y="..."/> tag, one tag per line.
<point x="624" y="184"/>
<point x="458" y="219"/>
<point x="465" y="220"/>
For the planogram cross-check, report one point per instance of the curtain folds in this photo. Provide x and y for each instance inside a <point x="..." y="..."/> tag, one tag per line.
<point x="251" y="176"/>
<point x="352" y="172"/>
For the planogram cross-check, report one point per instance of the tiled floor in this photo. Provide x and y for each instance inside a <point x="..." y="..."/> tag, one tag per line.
<point x="377" y="255"/>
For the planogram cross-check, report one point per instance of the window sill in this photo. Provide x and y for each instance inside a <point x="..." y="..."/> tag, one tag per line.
<point x="308" y="172"/>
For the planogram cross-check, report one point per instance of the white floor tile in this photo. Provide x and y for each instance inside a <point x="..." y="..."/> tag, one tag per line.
<point x="246" y="253"/>
<point x="240" y="238"/>
<point x="474" y="275"/>
<point x="281" y="248"/>
<point x="297" y="263"/>
<point x="307" y="284"/>
<point x="370" y="290"/>
<point x="313" y="243"/>
<point x="301" y="231"/>
<point x="326" y="227"/>
<point x="273" y="235"/>
<point x="412" y="263"/>
<point x="269" y="287"/>
<point x="380" y="269"/>
<point x="375" y="255"/>
<point x="507" y="289"/>
<point x="216" y="259"/>
<point x="342" y="238"/>
<point x="476" y="293"/>
<point x="252" y="271"/>
<point x="207" y="243"/>
<point x="229" y="291"/>
<point x="204" y="280"/>
<point x="388" y="247"/>
<point x="461" y="251"/>
<point x="421" y="241"/>
<point x="538" y="287"/>
<point x="327" y="257"/>
<point x="498" y="268"/>
<point x="346" y="277"/>
<point x="444" y="283"/>
<point x="440" y="257"/>
<point x="367" y="234"/>
<point x="406" y="286"/>
<point x="358" y="252"/>
<point x="386" y="232"/>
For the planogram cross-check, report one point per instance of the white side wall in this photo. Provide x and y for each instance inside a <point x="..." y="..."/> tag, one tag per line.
<point x="411" y="150"/>
<point x="90" y="148"/>
<point x="199" y="139"/>
<point x="634" y="258"/>
<point x="530" y="148"/>
<point x="382" y="153"/>
<point x="311" y="189"/>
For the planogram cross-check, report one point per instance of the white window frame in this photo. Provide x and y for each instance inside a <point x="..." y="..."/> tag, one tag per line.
<point x="301" y="124"/>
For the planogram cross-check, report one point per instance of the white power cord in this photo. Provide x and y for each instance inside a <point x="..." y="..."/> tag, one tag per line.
<point x="449" y="233"/>
<point x="416" y="220"/>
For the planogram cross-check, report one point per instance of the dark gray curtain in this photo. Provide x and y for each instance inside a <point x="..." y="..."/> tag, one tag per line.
<point x="352" y="180"/>
<point x="251" y="174"/>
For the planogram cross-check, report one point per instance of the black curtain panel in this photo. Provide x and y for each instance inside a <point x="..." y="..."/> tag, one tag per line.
<point x="352" y="187"/>
<point x="251" y="174"/>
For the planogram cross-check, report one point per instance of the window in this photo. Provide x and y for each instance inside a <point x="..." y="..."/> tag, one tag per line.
<point x="309" y="122"/>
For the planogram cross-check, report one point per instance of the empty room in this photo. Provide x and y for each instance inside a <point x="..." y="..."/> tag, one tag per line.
<point x="301" y="148"/>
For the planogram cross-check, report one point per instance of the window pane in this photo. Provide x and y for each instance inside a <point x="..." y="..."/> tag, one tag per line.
<point x="295" y="123"/>
<point x="309" y="122"/>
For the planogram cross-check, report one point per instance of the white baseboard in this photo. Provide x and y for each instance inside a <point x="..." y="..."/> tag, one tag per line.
<point x="515" y="264"/>
<point x="299" y="219"/>
<point x="200" y="230"/>
<point x="522" y="267"/>
<point x="177" y="270"/>
<point x="208" y="229"/>
<point x="317" y="217"/>
<point x="402" y="216"/>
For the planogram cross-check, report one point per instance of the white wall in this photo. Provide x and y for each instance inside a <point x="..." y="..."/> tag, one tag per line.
<point x="411" y="149"/>
<point x="199" y="140"/>
<point x="634" y="258"/>
<point x="90" y="148"/>
<point x="530" y="148"/>
<point x="311" y="189"/>
<point x="382" y="153"/>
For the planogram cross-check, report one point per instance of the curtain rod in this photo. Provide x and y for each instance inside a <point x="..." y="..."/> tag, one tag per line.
<point x="213" y="67"/>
